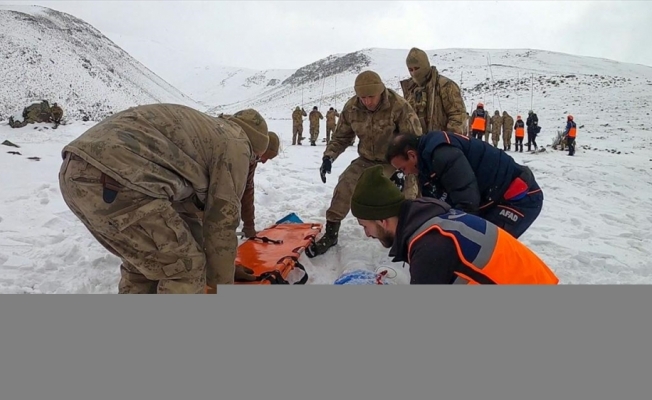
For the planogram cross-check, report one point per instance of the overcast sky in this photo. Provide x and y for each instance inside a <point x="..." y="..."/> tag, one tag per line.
<point x="291" y="34"/>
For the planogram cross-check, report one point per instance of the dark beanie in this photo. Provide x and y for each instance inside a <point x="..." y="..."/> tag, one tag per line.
<point x="376" y="197"/>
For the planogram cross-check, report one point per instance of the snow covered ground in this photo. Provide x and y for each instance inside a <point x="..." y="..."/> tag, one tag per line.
<point x="594" y="229"/>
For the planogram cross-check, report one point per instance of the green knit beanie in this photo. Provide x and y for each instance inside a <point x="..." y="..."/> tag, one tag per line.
<point x="376" y="197"/>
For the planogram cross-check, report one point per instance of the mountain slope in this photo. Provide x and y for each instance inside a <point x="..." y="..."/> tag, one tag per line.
<point x="46" y="54"/>
<point x="513" y="80"/>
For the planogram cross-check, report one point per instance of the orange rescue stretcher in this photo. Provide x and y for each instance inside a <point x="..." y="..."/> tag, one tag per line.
<point x="274" y="252"/>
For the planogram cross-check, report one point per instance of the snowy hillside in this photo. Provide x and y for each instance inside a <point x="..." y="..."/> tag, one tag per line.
<point x="562" y="83"/>
<point x="46" y="54"/>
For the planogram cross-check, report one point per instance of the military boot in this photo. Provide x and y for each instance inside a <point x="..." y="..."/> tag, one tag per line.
<point x="326" y="242"/>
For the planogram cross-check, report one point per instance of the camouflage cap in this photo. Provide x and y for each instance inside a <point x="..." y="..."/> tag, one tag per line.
<point x="273" y="146"/>
<point x="368" y="83"/>
<point x="255" y="127"/>
<point x="417" y="58"/>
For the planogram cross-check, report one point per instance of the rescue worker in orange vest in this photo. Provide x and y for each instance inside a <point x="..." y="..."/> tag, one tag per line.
<point x="442" y="245"/>
<point x="480" y="122"/>
<point x="569" y="134"/>
<point x="519" y="133"/>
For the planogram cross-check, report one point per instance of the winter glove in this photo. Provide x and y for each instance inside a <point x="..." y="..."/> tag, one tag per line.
<point x="244" y="274"/>
<point x="399" y="179"/>
<point x="249" y="231"/>
<point x="325" y="168"/>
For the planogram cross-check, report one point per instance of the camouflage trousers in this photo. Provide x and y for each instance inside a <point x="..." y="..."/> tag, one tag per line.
<point x="495" y="138"/>
<point x="314" y="133"/>
<point x="159" y="250"/>
<point x="329" y="130"/>
<point x="507" y="138"/>
<point x="297" y="133"/>
<point x="486" y="136"/>
<point x="341" y="201"/>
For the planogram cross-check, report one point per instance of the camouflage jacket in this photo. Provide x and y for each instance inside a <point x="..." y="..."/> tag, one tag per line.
<point x="297" y="116"/>
<point x="496" y="123"/>
<point x="173" y="152"/>
<point x="248" y="213"/>
<point x="330" y="117"/>
<point x="314" y="117"/>
<point x="57" y="112"/>
<point x="375" y="129"/>
<point x="439" y="105"/>
<point x="508" y="122"/>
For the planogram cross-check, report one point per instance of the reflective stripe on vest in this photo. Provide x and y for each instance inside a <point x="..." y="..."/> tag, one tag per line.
<point x="491" y="255"/>
<point x="474" y="247"/>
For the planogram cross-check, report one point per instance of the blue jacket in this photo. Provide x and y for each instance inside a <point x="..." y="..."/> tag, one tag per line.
<point x="466" y="173"/>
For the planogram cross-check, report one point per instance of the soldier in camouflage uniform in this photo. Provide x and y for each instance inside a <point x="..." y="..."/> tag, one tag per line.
<point x="160" y="186"/>
<point x="331" y="114"/>
<point x="375" y="114"/>
<point x="57" y="113"/>
<point x="496" y="126"/>
<point x="314" y="118"/>
<point x="297" y="125"/>
<point x="248" y="209"/>
<point x="508" y="128"/>
<point x="436" y="99"/>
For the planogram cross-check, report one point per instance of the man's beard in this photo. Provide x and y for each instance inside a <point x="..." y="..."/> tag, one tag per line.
<point x="386" y="238"/>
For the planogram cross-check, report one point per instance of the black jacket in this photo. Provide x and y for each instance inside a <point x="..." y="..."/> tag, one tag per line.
<point x="433" y="258"/>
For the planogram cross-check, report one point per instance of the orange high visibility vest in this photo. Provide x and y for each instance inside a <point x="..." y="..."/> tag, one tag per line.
<point x="520" y="129"/>
<point x="479" y="123"/>
<point x="572" y="132"/>
<point x="490" y="252"/>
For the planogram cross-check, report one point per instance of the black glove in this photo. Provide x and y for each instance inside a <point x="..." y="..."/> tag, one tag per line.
<point x="325" y="168"/>
<point x="399" y="179"/>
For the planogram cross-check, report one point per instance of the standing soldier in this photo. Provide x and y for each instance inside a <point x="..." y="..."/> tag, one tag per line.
<point x="297" y="125"/>
<point x="496" y="126"/>
<point x="57" y="114"/>
<point x="314" y="118"/>
<point x="569" y="134"/>
<point x="436" y="99"/>
<point x="330" y="123"/>
<point x="479" y="122"/>
<point x="375" y="115"/>
<point x="519" y="130"/>
<point x="508" y="127"/>
<point x="133" y="178"/>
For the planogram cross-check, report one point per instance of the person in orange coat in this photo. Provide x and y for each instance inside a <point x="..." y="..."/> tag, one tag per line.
<point x="519" y="133"/>
<point x="442" y="245"/>
<point x="569" y="134"/>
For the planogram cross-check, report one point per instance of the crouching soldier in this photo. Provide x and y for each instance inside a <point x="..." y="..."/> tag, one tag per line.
<point x="248" y="208"/>
<point x="442" y="245"/>
<point x="57" y="114"/>
<point x="472" y="176"/>
<point x="136" y="178"/>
